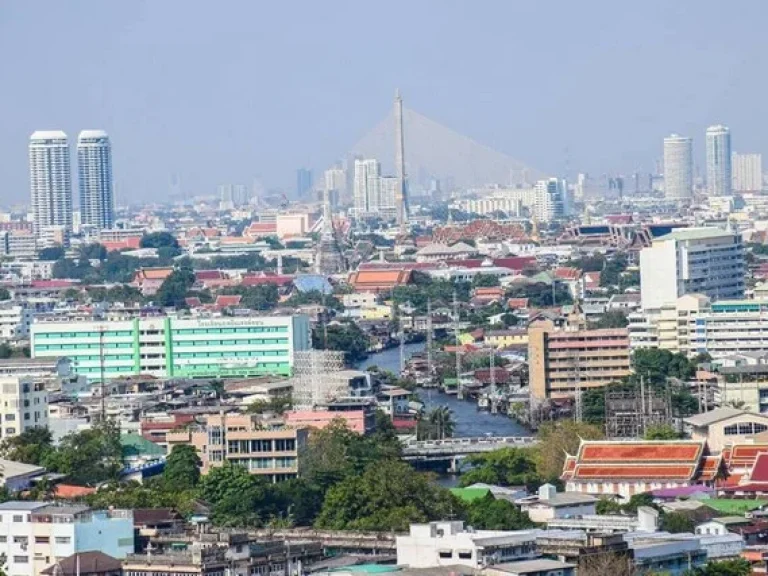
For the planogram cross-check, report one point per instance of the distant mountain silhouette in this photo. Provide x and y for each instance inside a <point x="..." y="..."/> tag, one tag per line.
<point x="432" y="150"/>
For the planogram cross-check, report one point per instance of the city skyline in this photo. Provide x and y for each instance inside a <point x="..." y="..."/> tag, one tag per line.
<point x="148" y="95"/>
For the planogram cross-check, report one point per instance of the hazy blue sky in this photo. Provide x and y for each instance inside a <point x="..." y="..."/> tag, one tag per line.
<point x="224" y="91"/>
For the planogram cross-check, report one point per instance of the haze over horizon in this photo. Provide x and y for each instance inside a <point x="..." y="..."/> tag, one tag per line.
<point x="227" y="92"/>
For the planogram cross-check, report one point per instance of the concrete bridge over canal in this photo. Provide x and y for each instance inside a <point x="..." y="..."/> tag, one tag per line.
<point x="452" y="450"/>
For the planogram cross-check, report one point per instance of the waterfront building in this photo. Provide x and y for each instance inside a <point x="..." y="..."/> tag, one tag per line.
<point x="708" y="261"/>
<point x="94" y="165"/>
<point x="563" y="362"/>
<point x="272" y="452"/>
<point x="678" y="167"/>
<point x="50" y="180"/>
<point x="719" y="161"/>
<point x="35" y="535"/>
<point x="169" y="346"/>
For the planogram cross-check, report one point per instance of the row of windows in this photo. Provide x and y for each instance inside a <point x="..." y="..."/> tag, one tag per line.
<point x="744" y="428"/>
<point x="198" y="367"/>
<point x="251" y="354"/>
<point x="249" y="330"/>
<point x="68" y="347"/>
<point x="105" y="334"/>
<point x="264" y="463"/>
<point x="249" y="446"/>
<point x="230" y="342"/>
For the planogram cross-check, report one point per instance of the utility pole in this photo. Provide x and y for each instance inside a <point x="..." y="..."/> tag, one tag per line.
<point x="459" y="388"/>
<point x="492" y="398"/>
<point x="429" y="339"/>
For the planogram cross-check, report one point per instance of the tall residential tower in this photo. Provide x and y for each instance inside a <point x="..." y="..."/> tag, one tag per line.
<point x="50" y="181"/>
<point x="719" y="161"/>
<point x="94" y="168"/>
<point x="678" y="167"/>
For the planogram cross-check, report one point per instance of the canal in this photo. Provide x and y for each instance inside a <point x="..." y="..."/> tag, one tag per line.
<point x="470" y="422"/>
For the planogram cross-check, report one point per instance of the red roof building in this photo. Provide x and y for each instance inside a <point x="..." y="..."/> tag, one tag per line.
<point x="264" y="278"/>
<point x="378" y="280"/>
<point x="624" y="468"/>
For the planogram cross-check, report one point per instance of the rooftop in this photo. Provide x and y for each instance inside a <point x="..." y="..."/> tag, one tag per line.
<point x="683" y="234"/>
<point x="714" y="416"/>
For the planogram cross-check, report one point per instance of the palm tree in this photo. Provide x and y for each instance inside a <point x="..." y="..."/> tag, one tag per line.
<point x="442" y="422"/>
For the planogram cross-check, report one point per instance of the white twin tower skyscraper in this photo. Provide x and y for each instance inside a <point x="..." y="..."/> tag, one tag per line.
<point x="50" y="180"/>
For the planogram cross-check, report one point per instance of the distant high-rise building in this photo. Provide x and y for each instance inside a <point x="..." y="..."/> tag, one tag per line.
<point x="50" y="180"/>
<point x="747" y="172"/>
<point x="226" y="197"/>
<point x="303" y="181"/>
<point x="550" y="200"/>
<point x="719" y="161"/>
<point x="678" y="167"/>
<point x="336" y="183"/>
<point x="94" y="168"/>
<point x="388" y="187"/>
<point x="367" y="187"/>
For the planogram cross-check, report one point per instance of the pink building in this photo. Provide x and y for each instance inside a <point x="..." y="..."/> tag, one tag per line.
<point x="361" y="421"/>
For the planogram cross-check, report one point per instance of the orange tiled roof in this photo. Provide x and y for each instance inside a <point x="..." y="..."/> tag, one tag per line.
<point x="654" y="471"/>
<point x="378" y="280"/>
<point x="569" y="467"/>
<point x="710" y="468"/>
<point x="69" y="491"/>
<point x="743" y="455"/>
<point x="153" y="273"/>
<point x="640" y="452"/>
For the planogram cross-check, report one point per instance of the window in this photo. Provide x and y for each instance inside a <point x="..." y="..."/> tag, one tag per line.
<point x="20" y="540"/>
<point x="445" y="554"/>
<point x="18" y="518"/>
<point x="3" y="539"/>
<point x="21" y="559"/>
<point x="465" y="555"/>
<point x="63" y="540"/>
<point x="42" y="540"/>
<point x="10" y="417"/>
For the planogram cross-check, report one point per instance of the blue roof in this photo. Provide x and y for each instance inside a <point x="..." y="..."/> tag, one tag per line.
<point x="22" y="505"/>
<point x="312" y="283"/>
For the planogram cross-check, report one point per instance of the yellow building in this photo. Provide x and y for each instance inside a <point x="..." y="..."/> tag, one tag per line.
<point x="376" y="312"/>
<point x="507" y="338"/>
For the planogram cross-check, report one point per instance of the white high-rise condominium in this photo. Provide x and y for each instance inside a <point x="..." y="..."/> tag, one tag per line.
<point x="94" y="164"/>
<point x="747" y="172"/>
<point x="50" y="180"/>
<point x="367" y="187"/>
<point x="550" y="199"/>
<point x="719" y="161"/>
<point x="678" y="167"/>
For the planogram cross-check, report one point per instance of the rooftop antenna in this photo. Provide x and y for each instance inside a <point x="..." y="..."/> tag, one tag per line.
<point x="459" y="388"/>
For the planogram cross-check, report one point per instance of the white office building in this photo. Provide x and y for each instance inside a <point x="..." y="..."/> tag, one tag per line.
<point x="94" y="164"/>
<point x="678" y="167"/>
<point x="719" y="161"/>
<point x="551" y="200"/>
<point x="15" y="321"/>
<point x="367" y="187"/>
<point x="23" y="404"/>
<point x="707" y="261"/>
<point x="449" y="543"/>
<point x="50" y="180"/>
<point x="747" y="172"/>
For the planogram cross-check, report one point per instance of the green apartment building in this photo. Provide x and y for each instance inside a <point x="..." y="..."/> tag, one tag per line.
<point x="167" y="346"/>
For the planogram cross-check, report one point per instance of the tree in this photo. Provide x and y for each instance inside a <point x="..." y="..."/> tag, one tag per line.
<point x="485" y="281"/>
<point x="346" y="337"/>
<point x="607" y="506"/>
<point x="637" y="500"/>
<point x="51" y="253"/>
<point x="488" y="513"/>
<point x="159" y="240"/>
<point x="275" y="405"/>
<point x="388" y="496"/>
<point x="182" y="468"/>
<point x="556" y="439"/>
<point x="733" y="567"/>
<point x="661" y="432"/>
<point x="93" y="251"/>
<point x="174" y="288"/>
<point x="33" y="446"/>
<point x="4" y="294"/>
<point x="441" y="423"/>
<point x="504" y="467"/>
<point x="677" y="523"/>
<point x="611" y="319"/>
<point x="238" y="498"/>
<point x="90" y="456"/>
<point x="261" y="297"/>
